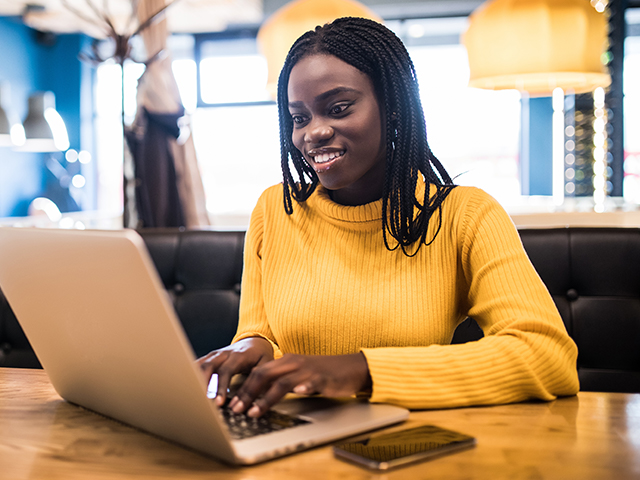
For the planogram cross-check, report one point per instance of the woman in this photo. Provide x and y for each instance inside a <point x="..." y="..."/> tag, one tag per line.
<point x="362" y="281"/>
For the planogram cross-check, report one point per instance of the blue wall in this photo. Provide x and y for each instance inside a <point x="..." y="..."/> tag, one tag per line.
<point x="536" y="149"/>
<point x="29" y="64"/>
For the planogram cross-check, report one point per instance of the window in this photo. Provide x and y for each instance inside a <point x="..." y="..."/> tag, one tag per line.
<point x="631" y="83"/>
<point x="474" y="133"/>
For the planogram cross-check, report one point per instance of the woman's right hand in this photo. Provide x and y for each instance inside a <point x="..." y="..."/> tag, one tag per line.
<point x="239" y="357"/>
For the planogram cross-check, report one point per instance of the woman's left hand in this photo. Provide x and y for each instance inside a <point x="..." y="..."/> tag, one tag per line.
<point x="331" y="376"/>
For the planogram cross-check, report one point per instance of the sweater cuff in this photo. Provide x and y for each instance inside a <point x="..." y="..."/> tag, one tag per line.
<point x="276" y="350"/>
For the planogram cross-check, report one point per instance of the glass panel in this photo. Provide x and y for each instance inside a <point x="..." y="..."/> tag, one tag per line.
<point x="185" y="73"/>
<point x="631" y="79"/>
<point x="239" y="155"/>
<point x="232" y="71"/>
<point x="474" y="133"/>
<point x="234" y="79"/>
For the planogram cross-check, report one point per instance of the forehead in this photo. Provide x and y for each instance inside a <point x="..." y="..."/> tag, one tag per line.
<point x="316" y="74"/>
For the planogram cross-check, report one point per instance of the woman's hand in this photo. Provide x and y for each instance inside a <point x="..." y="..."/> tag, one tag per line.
<point x="239" y="357"/>
<point x="331" y="376"/>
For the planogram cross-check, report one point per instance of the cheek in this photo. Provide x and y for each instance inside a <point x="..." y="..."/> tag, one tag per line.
<point x="296" y="139"/>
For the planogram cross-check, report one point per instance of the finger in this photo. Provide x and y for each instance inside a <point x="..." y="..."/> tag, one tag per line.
<point x="261" y="379"/>
<point x="210" y="363"/>
<point x="225" y="364"/>
<point x="276" y="391"/>
<point x="305" y="388"/>
<point x="234" y="365"/>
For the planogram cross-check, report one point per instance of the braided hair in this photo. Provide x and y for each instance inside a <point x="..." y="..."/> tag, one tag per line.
<point x="380" y="54"/>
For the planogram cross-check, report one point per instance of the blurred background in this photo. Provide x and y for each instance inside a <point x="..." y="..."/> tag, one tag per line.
<point x="59" y="57"/>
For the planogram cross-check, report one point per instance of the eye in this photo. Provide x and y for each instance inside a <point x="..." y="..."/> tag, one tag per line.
<point x="339" y="108"/>
<point x="298" y="119"/>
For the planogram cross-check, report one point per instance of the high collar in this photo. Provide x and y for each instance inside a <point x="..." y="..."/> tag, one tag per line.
<point x="369" y="214"/>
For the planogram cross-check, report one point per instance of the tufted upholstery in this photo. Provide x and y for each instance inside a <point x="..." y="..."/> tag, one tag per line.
<point x="594" y="278"/>
<point x="592" y="274"/>
<point x="201" y="270"/>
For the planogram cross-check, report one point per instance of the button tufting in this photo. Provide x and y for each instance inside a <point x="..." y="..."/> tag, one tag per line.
<point x="572" y="295"/>
<point x="178" y="288"/>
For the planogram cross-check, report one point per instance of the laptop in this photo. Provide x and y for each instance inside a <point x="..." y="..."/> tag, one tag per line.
<point x="104" y="329"/>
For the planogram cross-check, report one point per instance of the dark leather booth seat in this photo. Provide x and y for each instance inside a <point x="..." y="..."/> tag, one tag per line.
<point x="201" y="269"/>
<point x="593" y="275"/>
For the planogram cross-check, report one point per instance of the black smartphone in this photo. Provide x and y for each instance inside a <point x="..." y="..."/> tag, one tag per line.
<point x="383" y="451"/>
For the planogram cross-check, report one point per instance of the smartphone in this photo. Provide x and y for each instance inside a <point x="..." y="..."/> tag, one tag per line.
<point x="383" y="451"/>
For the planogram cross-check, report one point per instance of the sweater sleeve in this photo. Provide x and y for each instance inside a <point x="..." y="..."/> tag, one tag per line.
<point x="526" y="352"/>
<point x="252" y="317"/>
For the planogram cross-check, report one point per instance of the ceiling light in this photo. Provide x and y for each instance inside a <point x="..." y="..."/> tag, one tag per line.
<point x="11" y="133"/>
<point x="283" y="28"/>
<point x="44" y="129"/>
<point x="537" y="46"/>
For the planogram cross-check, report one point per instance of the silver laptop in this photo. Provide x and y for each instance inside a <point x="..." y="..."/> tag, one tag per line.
<point x="95" y="311"/>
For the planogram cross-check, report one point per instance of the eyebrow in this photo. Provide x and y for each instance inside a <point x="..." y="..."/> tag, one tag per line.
<point x="327" y="94"/>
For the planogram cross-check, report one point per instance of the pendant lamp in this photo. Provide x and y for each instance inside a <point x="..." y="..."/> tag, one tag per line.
<point x="279" y="31"/>
<point x="11" y="133"/>
<point x="44" y="129"/>
<point x="537" y="46"/>
<point x="5" y="126"/>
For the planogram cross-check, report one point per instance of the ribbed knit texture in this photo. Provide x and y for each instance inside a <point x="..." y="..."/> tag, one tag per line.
<point x="321" y="282"/>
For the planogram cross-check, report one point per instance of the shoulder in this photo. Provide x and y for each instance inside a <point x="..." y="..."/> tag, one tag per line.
<point x="468" y="205"/>
<point x="470" y="211"/>
<point x="269" y="203"/>
<point x="271" y="196"/>
<point x="470" y="196"/>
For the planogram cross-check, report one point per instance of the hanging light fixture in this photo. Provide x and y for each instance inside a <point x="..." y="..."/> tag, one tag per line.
<point x="11" y="133"/>
<point x="537" y="46"/>
<point x="5" y="127"/>
<point x="44" y="128"/>
<point x="279" y="31"/>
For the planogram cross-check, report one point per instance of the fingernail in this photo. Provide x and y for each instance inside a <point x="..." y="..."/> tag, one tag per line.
<point x="238" y="407"/>
<point x="233" y="402"/>
<point x="254" y="411"/>
<point x="219" y="400"/>
<point x="300" y="389"/>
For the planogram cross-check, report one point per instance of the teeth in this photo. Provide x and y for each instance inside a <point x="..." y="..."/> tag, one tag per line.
<point x="325" y="157"/>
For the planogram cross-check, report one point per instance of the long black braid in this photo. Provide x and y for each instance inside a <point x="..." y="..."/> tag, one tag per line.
<point x="380" y="54"/>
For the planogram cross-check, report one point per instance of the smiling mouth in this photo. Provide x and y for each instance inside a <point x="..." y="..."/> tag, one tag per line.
<point x="326" y="157"/>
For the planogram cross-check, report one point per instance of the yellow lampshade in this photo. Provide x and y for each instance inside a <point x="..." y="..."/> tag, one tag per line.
<point x="279" y="31"/>
<point x="537" y="45"/>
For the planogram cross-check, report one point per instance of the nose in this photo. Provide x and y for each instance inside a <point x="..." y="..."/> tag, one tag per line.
<point x="318" y="133"/>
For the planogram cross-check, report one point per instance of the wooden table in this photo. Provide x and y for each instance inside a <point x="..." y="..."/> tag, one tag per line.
<point x="591" y="436"/>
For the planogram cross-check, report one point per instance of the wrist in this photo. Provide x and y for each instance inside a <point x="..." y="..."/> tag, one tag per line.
<point x="367" y="383"/>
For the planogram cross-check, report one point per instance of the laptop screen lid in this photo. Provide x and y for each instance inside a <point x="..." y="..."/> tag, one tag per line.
<point x="97" y="316"/>
<point x="96" y="313"/>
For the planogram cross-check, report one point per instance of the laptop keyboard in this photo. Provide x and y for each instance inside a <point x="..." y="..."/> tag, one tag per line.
<point x="242" y="426"/>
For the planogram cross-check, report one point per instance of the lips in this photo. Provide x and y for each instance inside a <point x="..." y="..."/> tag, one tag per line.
<point x="324" y="158"/>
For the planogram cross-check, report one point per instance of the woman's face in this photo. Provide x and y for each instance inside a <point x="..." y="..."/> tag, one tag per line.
<point x="337" y="127"/>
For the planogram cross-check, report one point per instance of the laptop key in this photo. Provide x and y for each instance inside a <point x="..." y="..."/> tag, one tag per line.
<point x="243" y="426"/>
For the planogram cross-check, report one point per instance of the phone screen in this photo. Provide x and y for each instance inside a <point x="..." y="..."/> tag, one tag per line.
<point x="388" y="450"/>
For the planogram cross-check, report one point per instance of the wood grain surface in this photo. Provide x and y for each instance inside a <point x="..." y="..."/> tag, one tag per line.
<point x="590" y="436"/>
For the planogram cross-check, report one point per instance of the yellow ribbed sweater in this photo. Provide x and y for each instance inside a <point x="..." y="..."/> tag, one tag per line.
<point x="321" y="282"/>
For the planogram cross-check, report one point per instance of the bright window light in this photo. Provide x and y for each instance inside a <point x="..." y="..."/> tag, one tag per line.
<point x="234" y="79"/>
<point x="185" y="73"/>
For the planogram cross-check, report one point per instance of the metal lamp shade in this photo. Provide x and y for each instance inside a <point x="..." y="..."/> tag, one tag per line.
<point x="43" y="127"/>
<point x="6" y="139"/>
<point x="5" y="129"/>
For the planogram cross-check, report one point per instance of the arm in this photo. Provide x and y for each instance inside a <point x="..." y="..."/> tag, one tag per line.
<point x="526" y="352"/>
<point x="255" y="346"/>
<point x="254" y="343"/>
